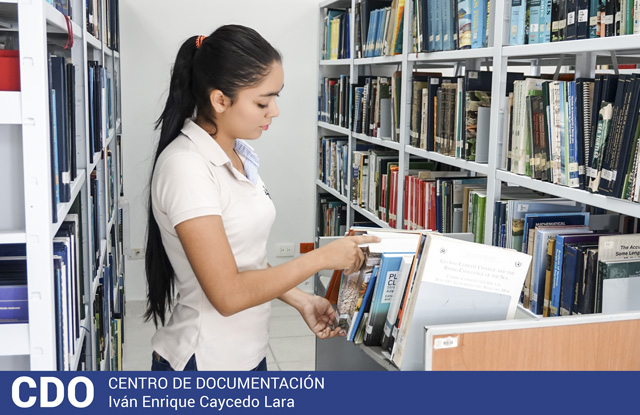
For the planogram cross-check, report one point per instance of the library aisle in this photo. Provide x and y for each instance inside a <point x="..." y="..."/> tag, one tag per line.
<point x="291" y="343"/>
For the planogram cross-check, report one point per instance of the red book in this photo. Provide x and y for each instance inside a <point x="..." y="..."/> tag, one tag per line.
<point x="9" y="70"/>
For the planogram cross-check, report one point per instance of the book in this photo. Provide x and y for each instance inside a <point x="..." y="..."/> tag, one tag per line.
<point x="363" y="302"/>
<point x="457" y="281"/>
<point x="558" y="265"/>
<point x="619" y="285"/>
<point x="539" y="265"/>
<point x="10" y="69"/>
<point x="401" y="281"/>
<point x="384" y="289"/>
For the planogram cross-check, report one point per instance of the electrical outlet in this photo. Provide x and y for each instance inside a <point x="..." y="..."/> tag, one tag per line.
<point x="285" y="249"/>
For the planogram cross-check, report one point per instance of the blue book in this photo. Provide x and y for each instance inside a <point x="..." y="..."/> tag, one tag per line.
<point x="544" y="31"/>
<point x="431" y="26"/>
<point x="534" y="21"/>
<point x="569" y="271"/>
<point x="572" y="215"/>
<point x="382" y="295"/>
<point x="438" y="25"/>
<point x="464" y="24"/>
<point x="539" y="264"/>
<point x="15" y="306"/>
<point x="561" y="241"/>
<point x="478" y="24"/>
<point x="517" y="22"/>
<point x="364" y="305"/>
<point x="447" y="25"/>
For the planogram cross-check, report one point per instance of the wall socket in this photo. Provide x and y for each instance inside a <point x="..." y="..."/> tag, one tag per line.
<point x="285" y="249"/>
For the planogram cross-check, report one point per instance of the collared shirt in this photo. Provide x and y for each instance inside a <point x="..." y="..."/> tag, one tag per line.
<point x="194" y="177"/>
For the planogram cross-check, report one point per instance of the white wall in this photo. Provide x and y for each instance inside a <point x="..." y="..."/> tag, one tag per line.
<point x="151" y="33"/>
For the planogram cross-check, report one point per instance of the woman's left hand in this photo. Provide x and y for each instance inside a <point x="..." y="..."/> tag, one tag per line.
<point x="320" y="316"/>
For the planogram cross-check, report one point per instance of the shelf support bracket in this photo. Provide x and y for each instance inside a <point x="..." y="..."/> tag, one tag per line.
<point x="558" y="67"/>
<point x="614" y="61"/>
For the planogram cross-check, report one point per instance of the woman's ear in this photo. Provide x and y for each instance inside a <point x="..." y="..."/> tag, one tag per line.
<point x="219" y="102"/>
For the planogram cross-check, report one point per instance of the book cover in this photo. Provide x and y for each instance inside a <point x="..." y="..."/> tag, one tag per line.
<point x="558" y="265"/>
<point x="386" y="284"/>
<point x="539" y="265"/>
<point x="619" y="285"/>
<point x="569" y="217"/>
<point x="364" y="301"/>
<point x="394" y="305"/>
<point x="457" y="281"/>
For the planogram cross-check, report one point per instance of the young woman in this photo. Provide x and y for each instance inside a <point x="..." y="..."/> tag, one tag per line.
<point x="210" y="213"/>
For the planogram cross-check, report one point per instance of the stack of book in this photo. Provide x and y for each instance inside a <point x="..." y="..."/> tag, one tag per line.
<point x="413" y="279"/>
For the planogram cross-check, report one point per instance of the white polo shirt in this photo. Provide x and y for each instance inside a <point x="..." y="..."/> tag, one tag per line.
<point x="194" y="177"/>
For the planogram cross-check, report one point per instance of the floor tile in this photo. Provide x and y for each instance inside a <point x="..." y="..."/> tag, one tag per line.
<point x="288" y="326"/>
<point x="293" y="349"/>
<point x="306" y="365"/>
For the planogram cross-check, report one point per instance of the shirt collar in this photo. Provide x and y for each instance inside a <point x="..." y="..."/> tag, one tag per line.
<point x="212" y="151"/>
<point x="208" y="147"/>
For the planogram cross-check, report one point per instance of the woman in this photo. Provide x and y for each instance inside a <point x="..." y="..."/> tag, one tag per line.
<point x="210" y="213"/>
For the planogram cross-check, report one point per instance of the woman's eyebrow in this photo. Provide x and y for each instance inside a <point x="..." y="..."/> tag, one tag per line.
<point x="270" y="94"/>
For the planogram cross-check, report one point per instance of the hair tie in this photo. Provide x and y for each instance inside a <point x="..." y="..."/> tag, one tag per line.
<point x="199" y="41"/>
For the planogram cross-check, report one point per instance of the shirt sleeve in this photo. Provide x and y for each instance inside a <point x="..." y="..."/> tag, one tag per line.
<point x="185" y="188"/>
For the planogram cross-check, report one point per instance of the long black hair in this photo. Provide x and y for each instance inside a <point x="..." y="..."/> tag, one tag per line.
<point x="232" y="58"/>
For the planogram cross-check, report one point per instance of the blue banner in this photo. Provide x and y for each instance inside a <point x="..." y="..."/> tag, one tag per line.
<point x="316" y="392"/>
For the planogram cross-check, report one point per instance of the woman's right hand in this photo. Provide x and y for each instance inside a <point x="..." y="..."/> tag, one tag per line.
<point x="345" y="253"/>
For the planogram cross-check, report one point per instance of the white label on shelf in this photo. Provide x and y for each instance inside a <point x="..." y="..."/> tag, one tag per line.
<point x="523" y="208"/>
<point x="593" y="20"/>
<point x="562" y="24"/>
<point x="66" y="177"/>
<point x="618" y="16"/>
<point x="583" y="15"/>
<point x="571" y="18"/>
<point x="533" y="27"/>
<point x="435" y="80"/>
<point x="591" y="172"/>
<point x="608" y="19"/>
<point x="607" y="175"/>
<point x="445" y="342"/>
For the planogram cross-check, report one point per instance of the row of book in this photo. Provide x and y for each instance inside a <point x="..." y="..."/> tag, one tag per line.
<point x="378" y="28"/>
<point x="442" y="25"/>
<point x="410" y="280"/>
<point x="435" y="197"/>
<point x="450" y="114"/>
<point x="332" y="220"/>
<point x="336" y="43"/>
<point x="334" y="101"/>
<point x="544" y="21"/>
<point x="69" y="288"/>
<point x="580" y="133"/>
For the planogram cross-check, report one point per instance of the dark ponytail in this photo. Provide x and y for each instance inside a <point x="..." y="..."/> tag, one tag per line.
<point x="230" y="59"/>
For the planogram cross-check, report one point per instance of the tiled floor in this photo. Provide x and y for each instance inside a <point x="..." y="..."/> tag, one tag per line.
<point x="291" y="343"/>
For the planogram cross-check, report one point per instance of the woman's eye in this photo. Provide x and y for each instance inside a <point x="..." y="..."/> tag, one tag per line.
<point x="262" y="106"/>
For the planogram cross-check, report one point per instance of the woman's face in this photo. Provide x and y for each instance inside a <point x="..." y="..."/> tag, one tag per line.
<point x="254" y="107"/>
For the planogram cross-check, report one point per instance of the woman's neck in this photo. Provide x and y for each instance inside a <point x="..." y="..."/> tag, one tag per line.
<point x="225" y="141"/>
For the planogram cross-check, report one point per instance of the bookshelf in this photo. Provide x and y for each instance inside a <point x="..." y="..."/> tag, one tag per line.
<point x="581" y="56"/>
<point x="38" y="30"/>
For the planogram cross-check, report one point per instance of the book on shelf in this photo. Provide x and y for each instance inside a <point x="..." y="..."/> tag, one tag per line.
<point x="619" y="284"/>
<point x="10" y="70"/>
<point x="539" y="253"/>
<point x="13" y="284"/>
